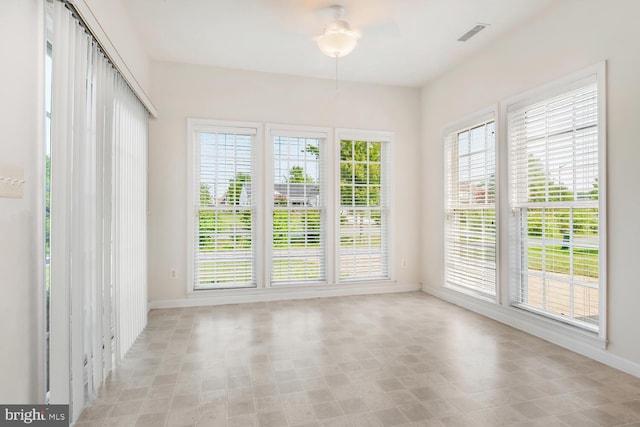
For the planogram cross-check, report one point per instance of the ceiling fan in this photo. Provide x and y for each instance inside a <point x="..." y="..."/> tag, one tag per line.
<point x="338" y="38"/>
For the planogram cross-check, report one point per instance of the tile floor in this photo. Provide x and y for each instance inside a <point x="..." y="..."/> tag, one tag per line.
<point x="376" y="360"/>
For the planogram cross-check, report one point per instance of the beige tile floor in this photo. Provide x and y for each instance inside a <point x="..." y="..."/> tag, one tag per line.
<point x="376" y="360"/>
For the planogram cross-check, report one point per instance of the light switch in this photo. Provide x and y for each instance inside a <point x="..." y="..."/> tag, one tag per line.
<point x="11" y="181"/>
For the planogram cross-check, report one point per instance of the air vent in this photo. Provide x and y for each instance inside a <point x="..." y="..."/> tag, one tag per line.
<point x="472" y="32"/>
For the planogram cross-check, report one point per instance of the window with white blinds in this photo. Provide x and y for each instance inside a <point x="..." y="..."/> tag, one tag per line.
<point x="260" y="212"/>
<point x="224" y="207"/>
<point x="299" y="208"/>
<point x="470" y="208"/>
<point x="556" y="158"/>
<point x="363" y="209"/>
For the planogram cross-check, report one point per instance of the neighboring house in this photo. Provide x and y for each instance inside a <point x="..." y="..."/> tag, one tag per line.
<point x="297" y="194"/>
<point x="471" y="193"/>
<point x="291" y="194"/>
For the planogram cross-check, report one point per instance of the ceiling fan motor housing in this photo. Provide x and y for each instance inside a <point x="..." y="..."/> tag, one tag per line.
<point x="338" y="39"/>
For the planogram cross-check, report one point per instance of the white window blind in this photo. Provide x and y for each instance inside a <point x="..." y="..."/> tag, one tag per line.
<point x="299" y="209"/>
<point x="555" y="156"/>
<point x="224" y="209"/>
<point x="364" y="210"/>
<point x="98" y="223"/>
<point x="470" y="210"/>
<point x="129" y="215"/>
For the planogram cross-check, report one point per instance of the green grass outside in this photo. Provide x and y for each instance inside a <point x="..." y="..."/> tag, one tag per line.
<point x="292" y="269"/>
<point x="215" y="272"/>
<point x="225" y="231"/>
<point x="222" y="272"/>
<point x="557" y="260"/>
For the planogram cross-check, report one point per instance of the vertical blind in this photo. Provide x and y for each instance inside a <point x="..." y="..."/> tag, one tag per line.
<point x="470" y="208"/>
<point x="555" y="200"/>
<point x="98" y="221"/>
<point x="225" y="209"/>
<point x="299" y="209"/>
<point x="363" y="221"/>
<point x="129" y="215"/>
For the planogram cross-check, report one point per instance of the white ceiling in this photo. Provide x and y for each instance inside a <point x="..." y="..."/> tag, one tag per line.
<point x="404" y="42"/>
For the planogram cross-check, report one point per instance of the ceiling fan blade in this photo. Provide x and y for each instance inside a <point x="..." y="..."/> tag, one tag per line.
<point x="374" y="18"/>
<point x="386" y="28"/>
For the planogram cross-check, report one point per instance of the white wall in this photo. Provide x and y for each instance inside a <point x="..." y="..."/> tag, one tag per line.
<point x="574" y="35"/>
<point x="21" y="258"/>
<point x="182" y="91"/>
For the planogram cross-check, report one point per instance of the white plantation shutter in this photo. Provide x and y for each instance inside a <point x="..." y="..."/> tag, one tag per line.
<point x="555" y="156"/>
<point x="363" y="208"/>
<point x="224" y="208"/>
<point x="470" y="210"/>
<point x="299" y="207"/>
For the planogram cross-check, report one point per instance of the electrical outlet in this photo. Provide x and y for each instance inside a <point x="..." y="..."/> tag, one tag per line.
<point x="403" y="263"/>
<point x="172" y="273"/>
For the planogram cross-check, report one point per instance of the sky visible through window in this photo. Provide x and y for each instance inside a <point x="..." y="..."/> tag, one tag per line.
<point x="475" y="148"/>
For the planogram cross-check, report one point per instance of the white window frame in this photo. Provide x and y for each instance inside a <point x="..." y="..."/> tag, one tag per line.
<point x="550" y="90"/>
<point x="482" y="117"/>
<point x="263" y="184"/>
<point x="386" y="173"/>
<point x="326" y="226"/>
<point x="194" y="127"/>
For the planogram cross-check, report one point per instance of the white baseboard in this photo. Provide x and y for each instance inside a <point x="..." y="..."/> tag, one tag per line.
<point x="566" y="336"/>
<point x="239" y="296"/>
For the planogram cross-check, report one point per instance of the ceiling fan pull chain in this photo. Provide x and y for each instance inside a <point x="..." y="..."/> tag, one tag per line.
<point x="336" y="72"/>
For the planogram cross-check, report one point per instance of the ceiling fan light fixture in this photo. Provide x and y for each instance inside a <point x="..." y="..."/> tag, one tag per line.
<point x="338" y="39"/>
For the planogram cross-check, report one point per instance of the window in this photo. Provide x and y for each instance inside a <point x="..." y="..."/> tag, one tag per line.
<point x="470" y="207"/>
<point x="363" y="210"/>
<point x="224" y="207"/>
<point x="298" y="207"/>
<point x="261" y="215"/>
<point x="557" y="150"/>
